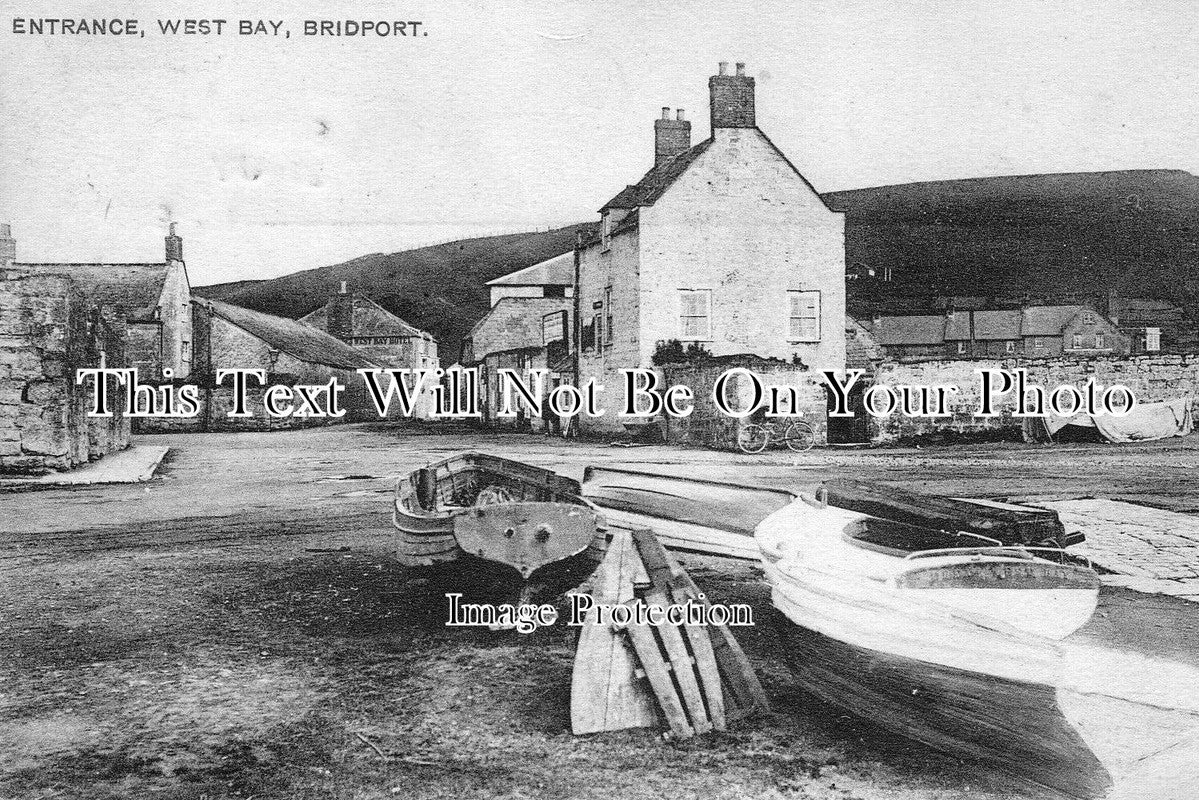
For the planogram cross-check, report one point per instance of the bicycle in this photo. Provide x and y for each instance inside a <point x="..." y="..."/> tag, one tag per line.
<point x="754" y="438"/>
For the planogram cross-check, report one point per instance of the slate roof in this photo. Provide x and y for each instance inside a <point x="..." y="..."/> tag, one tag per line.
<point x="369" y="319"/>
<point x="514" y="323"/>
<point x="989" y="325"/>
<point x="556" y="271"/>
<point x="926" y="329"/>
<point x="132" y="289"/>
<point x="293" y="337"/>
<point x="655" y="182"/>
<point x="1047" y="320"/>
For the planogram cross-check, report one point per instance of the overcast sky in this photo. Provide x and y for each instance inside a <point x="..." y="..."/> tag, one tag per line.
<point x="275" y="155"/>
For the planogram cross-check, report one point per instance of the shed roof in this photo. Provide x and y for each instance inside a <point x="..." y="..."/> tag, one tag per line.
<point x="291" y="336"/>
<point x="132" y="289"/>
<point x="556" y="271"/>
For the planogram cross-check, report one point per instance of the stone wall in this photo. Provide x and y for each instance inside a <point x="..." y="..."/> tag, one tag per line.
<point x="707" y="426"/>
<point x="48" y="330"/>
<point x="1151" y="377"/>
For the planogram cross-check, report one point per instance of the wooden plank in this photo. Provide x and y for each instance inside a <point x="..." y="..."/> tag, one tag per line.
<point x="682" y="665"/>
<point x="705" y="664"/>
<point x="650" y="656"/>
<point x="605" y="693"/>
<point x="744" y="693"/>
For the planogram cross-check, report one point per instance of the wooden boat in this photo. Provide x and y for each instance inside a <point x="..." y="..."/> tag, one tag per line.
<point x="719" y="518"/>
<point x="503" y="524"/>
<point x="951" y="645"/>
<point x="687" y="514"/>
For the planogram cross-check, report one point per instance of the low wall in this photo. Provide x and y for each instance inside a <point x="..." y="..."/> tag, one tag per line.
<point x="708" y="426"/>
<point x="1151" y="377"/>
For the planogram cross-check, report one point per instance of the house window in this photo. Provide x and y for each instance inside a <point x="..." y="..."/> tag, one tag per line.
<point x="1010" y="347"/>
<point x="1076" y="341"/>
<point x="961" y="348"/>
<point x="695" y="318"/>
<point x="803" y="324"/>
<point x="1038" y="343"/>
<point x="608" y="315"/>
<point x="597" y="328"/>
<point x="1088" y="318"/>
<point x="1153" y="339"/>
<point x="1100" y="341"/>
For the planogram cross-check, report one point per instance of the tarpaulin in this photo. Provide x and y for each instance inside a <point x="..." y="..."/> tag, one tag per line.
<point x="1145" y="422"/>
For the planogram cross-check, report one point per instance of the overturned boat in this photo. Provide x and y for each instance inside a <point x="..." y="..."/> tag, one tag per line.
<point x="949" y="639"/>
<point x="498" y="525"/>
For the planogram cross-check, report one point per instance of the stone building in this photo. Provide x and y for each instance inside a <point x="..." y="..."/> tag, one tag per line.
<point x="152" y="301"/>
<point x="49" y="329"/>
<point x="723" y="244"/>
<point x="523" y="334"/>
<point x="365" y="325"/>
<point x="229" y="336"/>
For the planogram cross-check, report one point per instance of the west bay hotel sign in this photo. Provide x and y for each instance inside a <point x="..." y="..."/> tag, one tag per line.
<point x="456" y="395"/>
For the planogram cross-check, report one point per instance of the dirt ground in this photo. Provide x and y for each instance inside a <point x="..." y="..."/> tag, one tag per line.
<point x="239" y="628"/>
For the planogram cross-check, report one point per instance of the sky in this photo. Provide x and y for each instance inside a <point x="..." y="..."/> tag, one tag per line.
<point x="280" y="154"/>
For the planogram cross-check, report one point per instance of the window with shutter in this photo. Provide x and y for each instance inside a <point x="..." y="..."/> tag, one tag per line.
<point x="695" y="316"/>
<point x="803" y="324"/>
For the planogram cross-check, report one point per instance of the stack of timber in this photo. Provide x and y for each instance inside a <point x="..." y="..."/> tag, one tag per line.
<point x="1006" y="523"/>
<point x="695" y="676"/>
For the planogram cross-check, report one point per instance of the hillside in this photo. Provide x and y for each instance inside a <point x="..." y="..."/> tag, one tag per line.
<point x="1136" y="231"/>
<point x="440" y="289"/>
<point x="1043" y="235"/>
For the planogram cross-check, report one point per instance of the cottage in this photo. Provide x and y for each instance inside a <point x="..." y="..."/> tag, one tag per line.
<point x="151" y="301"/>
<point x="723" y="244"/>
<point x="365" y="325"/>
<point x="911" y="336"/>
<point x="1151" y="325"/>
<point x="983" y="333"/>
<point x="1070" y="329"/>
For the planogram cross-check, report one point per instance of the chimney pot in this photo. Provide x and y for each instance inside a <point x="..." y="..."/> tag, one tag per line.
<point x="723" y="68"/>
<point x="740" y="69"/>
<point x="665" y="112"/>
<point x="679" y="115"/>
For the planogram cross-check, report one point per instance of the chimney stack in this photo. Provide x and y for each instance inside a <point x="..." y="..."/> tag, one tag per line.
<point x="732" y="98"/>
<point x="340" y="321"/>
<point x="8" y="246"/>
<point x="174" y="246"/>
<point x="671" y="136"/>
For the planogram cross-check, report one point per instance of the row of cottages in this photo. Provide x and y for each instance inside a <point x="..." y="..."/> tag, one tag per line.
<point x="1032" y="332"/>
<point x="723" y="244"/>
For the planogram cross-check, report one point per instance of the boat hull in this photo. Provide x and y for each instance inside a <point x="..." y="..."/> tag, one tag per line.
<point x="498" y="526"/>
<point x="1014" y="724"/>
